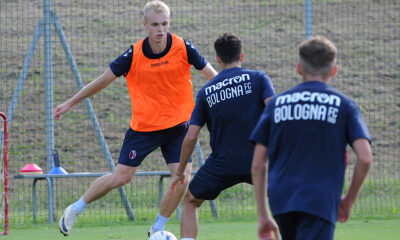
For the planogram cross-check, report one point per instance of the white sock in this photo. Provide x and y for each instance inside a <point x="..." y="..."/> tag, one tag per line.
<point x="187" y="238"/>
<point x="160" y="222"/>
<point x="79" y="205"/>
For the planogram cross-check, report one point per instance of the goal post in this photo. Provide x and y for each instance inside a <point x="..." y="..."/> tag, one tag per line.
<point x="4" y="178"/>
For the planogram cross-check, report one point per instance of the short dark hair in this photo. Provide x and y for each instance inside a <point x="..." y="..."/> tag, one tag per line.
<point x="228" y="48"/>
<point x="317" y="56"/>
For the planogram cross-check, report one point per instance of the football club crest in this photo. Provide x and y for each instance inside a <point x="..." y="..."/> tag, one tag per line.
<point x="132" y="154"/>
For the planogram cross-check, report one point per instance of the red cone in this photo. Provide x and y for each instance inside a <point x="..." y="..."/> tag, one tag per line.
<point x="31" y="169"/>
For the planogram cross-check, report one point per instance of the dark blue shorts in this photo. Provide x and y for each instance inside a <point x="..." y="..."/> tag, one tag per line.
<point x="207" y="184"/>
<point x="137" y="145"/>
<point x="301" y="225"/>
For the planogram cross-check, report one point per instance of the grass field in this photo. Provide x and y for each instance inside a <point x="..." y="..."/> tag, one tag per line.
<point x="367" y="36"/>
<point x="237" y="230"/>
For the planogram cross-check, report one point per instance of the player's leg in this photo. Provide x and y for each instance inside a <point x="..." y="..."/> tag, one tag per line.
<point x="119" y="177"/>
<point x="170" y="203"/>
<point x="313" y="227"/>
<point x="100" y="187"/>
<point x="135" y="148"/>
<point x="207" y="184"/>
<point x="171" y="150"/>
<point x="287" y="225"/>
<point x="189" y="218"/>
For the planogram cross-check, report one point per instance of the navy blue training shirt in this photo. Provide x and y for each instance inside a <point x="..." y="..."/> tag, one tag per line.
<point x="231" y="104"/>
<point x="121" y="65"/>
<point x="306" y="130"/>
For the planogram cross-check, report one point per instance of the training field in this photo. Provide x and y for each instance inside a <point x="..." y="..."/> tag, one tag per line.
<point x="366" y="32"/>
<point x="236" y="230"/>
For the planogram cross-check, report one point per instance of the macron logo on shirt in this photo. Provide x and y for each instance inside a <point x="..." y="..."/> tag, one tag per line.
<point x="314" y="107"/>
<point x="237" y="86"/>
<point x="228" y="81"/>
<point x="307" y="96"/>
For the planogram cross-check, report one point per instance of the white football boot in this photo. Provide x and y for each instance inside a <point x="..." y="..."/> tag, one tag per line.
<point x="67" y="220"/>
<point x="151" y="231"/>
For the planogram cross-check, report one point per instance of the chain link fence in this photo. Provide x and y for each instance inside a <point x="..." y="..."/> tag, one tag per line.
<point x="367" y="34"/>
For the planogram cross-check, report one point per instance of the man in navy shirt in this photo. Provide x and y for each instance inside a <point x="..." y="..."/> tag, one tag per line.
<point x="157" y="70"/>
<point x="303" y="134"/>
<point x="230" y="104"/>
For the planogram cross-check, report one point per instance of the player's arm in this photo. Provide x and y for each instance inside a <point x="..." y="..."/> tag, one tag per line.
<point x="198" y="61"/>
<point x="92" y="88"/>
<point x="209" y="71"/>
<point x="188" y="145"/>
<point x="363" y="152"/>
<point x="268" y="91"/>
<point x="259" y="176"/>
<point x="259" y="172"/>
<point x="267" y="100"/>
<point x="189" y="142"/>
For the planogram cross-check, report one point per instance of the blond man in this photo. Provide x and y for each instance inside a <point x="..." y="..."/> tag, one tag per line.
<point x="157" y="70"/>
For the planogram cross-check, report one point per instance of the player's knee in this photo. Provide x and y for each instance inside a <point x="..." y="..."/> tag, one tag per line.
<point x="186" y="181"/>
<point x="187" y="197"/>
<point x="183" y="185"/>
<point x="121" y="180"/>
<point x="191" y="200"/>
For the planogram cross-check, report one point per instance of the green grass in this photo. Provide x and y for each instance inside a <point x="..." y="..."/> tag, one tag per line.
<point x="234" y="203"/>
<point x="211" y="230"/>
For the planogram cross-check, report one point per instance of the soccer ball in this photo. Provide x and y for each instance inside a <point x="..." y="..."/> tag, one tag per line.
<point x="162" y="235"/>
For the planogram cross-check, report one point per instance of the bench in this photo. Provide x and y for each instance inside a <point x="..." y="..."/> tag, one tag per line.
<point x="49" y="177"/>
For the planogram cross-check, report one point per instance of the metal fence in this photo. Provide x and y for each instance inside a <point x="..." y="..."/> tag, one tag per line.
<point x="36" y="74"/>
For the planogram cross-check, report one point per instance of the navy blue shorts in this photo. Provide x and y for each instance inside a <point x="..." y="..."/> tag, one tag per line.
<point x="301" y="225"/>
<point x="137" y="145"/>
<point x="208" y="184"/>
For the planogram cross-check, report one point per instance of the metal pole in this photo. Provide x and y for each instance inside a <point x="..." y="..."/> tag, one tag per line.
<point x="90" y="110"/>
<point x="24" y="72"/>
<point x="80" y="85"/>
<point x="48" y="72"/>
<point x="308" y="18"/>
<point x="48" y="76"/>
<point x="25" y="69"/>
<point x="50" y="191"/>
<point x="44" y="25"/>
<point x="34" y="208"/>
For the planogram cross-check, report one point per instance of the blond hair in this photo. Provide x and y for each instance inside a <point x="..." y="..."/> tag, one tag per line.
<point x="156" y="6"/>
<point x="317" y="56"/>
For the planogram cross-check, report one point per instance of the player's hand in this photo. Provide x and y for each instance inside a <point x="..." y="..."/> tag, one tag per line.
<point x="344" y="210"/>
<point x="174" y="181"/>
<point x="268" y="229"/>
<point x="60" y="109"/>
